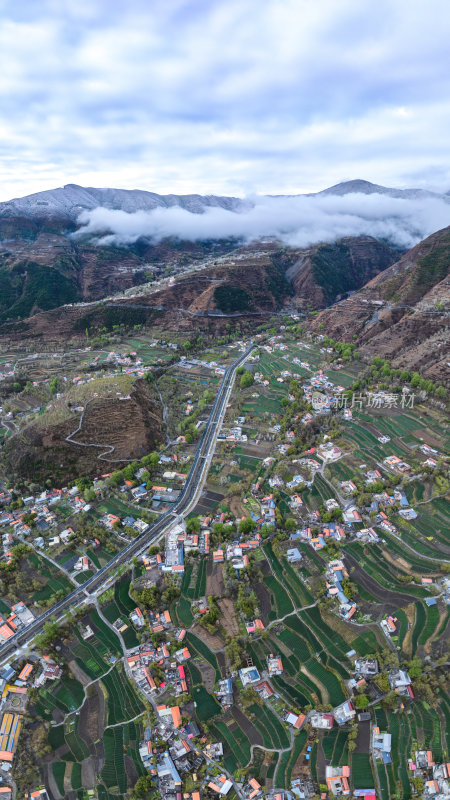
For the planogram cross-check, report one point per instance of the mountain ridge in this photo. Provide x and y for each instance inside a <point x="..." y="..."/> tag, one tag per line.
<point x="68" y="201"/>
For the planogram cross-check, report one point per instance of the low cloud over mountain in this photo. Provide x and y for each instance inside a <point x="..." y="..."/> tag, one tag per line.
<point x="298" y="221"/>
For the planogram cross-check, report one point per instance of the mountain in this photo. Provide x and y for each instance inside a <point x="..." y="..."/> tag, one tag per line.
<point x="365" y="187"/>
<point x="324" y="273"/>
<point x="402" y="314"/>
<point x="66" y="203"/>
<point x="42" y="266"/>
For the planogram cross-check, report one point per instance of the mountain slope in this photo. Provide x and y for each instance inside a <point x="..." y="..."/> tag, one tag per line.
<point x="67" y="202"/>
<point x="403" y="313"/>
<point x="325" y="272"/>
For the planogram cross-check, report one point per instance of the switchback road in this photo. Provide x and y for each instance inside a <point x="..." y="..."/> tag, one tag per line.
<point x="186" y="502"/>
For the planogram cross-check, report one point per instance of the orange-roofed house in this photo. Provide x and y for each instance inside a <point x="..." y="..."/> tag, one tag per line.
<point x="176" y="716"/>
<point x="255" y="787"/>
<point x="25" y="672"/>
<point x="5" y="631"/>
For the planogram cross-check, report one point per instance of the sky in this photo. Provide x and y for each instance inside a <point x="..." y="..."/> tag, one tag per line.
<point x="223" y="97"/>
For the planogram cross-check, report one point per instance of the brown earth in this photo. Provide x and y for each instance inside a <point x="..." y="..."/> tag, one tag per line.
<point x="350" y="262"/>
<point x="213" y="641"/>
<point x="228" y="616"/>
<point x="133" y="427"/>
<point x="264" y="602"/>
<point x="207" y="673"/>
<point x="402" y="313"/>
<point x="214" y="580"/>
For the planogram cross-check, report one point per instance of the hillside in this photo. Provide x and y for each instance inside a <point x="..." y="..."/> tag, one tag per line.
<point x="322" y="274"/>
<point x="133" y="427"/>
<point x="44" y="266"/>
<point x="401" y="314"/>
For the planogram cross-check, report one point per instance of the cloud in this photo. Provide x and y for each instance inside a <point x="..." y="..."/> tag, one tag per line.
<point x="221" y="95"/>
<point x="298" y="221"/>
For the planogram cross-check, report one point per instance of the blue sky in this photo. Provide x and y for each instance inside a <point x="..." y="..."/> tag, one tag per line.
<point x="229" y="97"/>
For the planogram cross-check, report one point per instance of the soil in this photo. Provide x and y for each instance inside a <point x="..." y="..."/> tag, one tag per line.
<point x="213" y="641"/>
<point x="78" y="673"/>
<point x="228" y="618"/>
<point x="264" y="603"/>
<point x="208" y="675"/>
<point x="363" y="737"/>
<point x="238" y="507"/>
<point x="222" y="661"/>
<point x="245" y="724"/>
<point x="92" y="717"/>
<point x="390" y="600"/>
<point x="88" y="772"/>
<point x="133" y="427"/>
<point x="214" y="580"/>
<point x="130" y="769"/>
<point x="410" y="612"/>
<point x="321" y="762"/>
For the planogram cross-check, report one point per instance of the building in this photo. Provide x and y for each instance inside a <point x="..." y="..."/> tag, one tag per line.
<point x="249" y="675"/>
<point x="337" y="779"/>
<point x="381" y="745"/>
<point x="344" y="712"/>
<point x="9" y="735"/>
<point x="366" y="668"/>
<point x="321" y="720"/>
<point x="221" y="785"/>
<point x="274" y="665"/>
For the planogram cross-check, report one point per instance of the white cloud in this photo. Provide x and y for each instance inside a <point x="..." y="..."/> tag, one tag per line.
<point x="221" y="95"/>
<point x="298" y="221"/>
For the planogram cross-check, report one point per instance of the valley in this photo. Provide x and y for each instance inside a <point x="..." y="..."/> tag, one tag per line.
<point x="224" y="494"/>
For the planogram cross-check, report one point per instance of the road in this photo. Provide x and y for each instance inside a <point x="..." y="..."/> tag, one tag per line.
<point x="186" y="502"/>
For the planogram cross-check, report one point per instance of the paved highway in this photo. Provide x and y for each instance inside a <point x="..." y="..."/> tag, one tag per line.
<point x="185" y="503"/>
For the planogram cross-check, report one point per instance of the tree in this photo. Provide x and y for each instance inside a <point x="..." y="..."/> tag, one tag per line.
<point x="142" y="787"/>
<point x="361" y="701"/>
<point x="246" y="526"/>
<point x="246" y="380"/>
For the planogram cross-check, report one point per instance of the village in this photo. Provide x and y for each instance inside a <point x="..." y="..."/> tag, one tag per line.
<point x="292" y="622"/>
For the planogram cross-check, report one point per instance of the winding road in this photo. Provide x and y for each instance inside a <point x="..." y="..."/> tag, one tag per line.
<point x="186" y="502"/>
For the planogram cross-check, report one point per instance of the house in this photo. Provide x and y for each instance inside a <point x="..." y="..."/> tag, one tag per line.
<point x="225" y="692"/>
<point x="337" y="779"/>
<point x="351" y="515"/>
<point x="349" y="487"/>
<point x="9" y="735"/>
<point x="366" y="668"/>
<point x="214" y="750"/>
<point x="296" y="720"/>
<point x="252" y="789"/>
<point x="137" y="618"/>
<point x="344" y="712"/>
<point x="424" y="759"/>
<point x="255" y="626"/>
<point x="274" y="665"/>
<point x="321" y="720"/>
<point x="381" y="745"/>
<point x="293" y="555"/>
<point x="388" y="625"/>
<point x="220" y="785"/>
<point x="249" y="675"/>
<point x="400" y="682"/>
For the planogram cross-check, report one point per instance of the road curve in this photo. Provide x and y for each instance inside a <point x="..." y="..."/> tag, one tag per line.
<point x="187" y="500"/>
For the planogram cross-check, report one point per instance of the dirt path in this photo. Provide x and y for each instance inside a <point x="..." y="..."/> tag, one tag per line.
<point x="319" y="684"/>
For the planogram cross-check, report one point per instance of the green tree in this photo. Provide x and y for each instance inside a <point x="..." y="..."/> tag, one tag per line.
<point x="246" y="380"/>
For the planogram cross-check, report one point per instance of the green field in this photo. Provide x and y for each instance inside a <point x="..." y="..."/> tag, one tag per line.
<point x="123" y="701"/>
